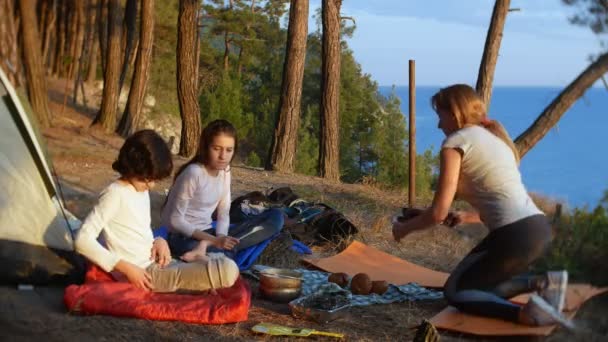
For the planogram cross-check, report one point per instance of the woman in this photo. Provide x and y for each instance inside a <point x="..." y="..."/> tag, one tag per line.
<point x="201" y="187"/>
<point x="479" y="161"/>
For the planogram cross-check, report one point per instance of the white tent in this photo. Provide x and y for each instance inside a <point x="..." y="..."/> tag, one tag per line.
<point x="36" y="245"/>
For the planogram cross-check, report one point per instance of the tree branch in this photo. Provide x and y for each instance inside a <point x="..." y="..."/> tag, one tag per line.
<point x="556" y="109"/>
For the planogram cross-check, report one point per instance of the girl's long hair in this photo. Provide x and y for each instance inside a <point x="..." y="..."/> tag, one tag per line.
<point x="468" y="108"/>
<point x="213" y="129"/>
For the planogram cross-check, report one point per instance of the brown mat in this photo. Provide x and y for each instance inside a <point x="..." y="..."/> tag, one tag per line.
<point x="452" y="319"/>
<point x="359" y="257"/>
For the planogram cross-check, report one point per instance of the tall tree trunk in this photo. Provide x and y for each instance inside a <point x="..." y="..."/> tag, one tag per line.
<point x="73" y="33"/>
<point x="283" y="147"/>
<point x="329" y="146"/>
<point x="130" y="23"/>
<point x="485" y="76"/>
<point x="102" y="30"/>
<point x="79" y="46"/>
<point x="60" y="44"/>
<point x="226" y="51"/>
<point x="187" y="37"/>
<point x="129" y="123"/>
<point x="106" y="118"/>
<point x="92" y="43"/>
<point x="51" y="18"/>
<point x="36" y="81"/>
<point x="556" y="109"/>
<point x="9" y="43"/>
<point x="92" y="67"/>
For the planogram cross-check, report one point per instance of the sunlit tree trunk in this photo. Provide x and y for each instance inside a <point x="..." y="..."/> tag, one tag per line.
<point x="283" y="147"/>
<point x="129" y="123"/>
<point x="329" y="146"/>
<point x="106" y="118"/>
<point x="187" y="41"/>
<point x="34" y="70"/>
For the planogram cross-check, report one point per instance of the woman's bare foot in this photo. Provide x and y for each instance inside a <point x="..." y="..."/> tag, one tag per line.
<point x="199" y="253"/>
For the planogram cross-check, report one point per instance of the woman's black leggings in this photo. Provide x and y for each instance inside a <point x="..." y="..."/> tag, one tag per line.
<point x="492" y="271"/>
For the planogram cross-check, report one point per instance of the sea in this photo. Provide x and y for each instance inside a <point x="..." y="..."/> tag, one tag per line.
<point x="569" y="164"/>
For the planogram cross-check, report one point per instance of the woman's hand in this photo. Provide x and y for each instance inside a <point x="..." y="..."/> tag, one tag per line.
<point x="459" y="217"/>
<point x="161" y="254"/>
<point x="401" y="229"/>
<point x="135" y="274"/>
<point x="225" y="242"/>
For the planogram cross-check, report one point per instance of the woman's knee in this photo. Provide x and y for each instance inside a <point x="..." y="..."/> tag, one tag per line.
<point x="224" y="270"/>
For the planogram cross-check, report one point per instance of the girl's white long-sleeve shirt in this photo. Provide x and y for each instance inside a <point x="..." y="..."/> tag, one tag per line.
<point x="122" y="218"/>
<point x="194" y="197"/>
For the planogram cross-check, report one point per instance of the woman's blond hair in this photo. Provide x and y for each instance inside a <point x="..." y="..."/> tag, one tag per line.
<point x="469" y="109"/>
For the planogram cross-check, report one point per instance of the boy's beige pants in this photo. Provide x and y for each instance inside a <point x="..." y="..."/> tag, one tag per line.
<point x="218" y="272"/>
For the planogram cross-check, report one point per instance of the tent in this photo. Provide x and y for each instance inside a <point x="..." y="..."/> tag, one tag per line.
<point x="36" y="231"/>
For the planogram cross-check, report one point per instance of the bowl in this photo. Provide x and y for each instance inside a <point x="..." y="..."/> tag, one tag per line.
<point x="281" y="295"/>
<point x="280" y="285"/>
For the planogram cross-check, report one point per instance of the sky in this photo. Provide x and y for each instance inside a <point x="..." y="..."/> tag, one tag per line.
<point x="446" y="39"/>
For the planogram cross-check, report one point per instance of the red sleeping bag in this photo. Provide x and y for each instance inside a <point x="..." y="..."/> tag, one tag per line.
<point x="102" y="295"/>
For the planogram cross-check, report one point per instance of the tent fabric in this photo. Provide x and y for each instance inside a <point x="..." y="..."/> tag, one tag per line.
<point x="36" y="244"/>
<point x="102" y="295"/>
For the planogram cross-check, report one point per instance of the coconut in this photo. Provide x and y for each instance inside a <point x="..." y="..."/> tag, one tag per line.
<point x="361" y="284"/>
<point x="338" y="278"/>
<point x="379" y="286"/>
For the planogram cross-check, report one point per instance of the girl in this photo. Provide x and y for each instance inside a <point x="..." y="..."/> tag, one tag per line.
<point x="479" y="161"/>
<point x="122" y="217"/>
<point x="201" y="187"/>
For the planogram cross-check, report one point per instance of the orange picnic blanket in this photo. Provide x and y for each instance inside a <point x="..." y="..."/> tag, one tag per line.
<point x="359" y="257"/>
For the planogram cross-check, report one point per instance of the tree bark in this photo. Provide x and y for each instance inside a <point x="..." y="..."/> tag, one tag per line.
<point x="226" y="51"/>
<point x="106" y="118"/>
<point x="102" y="30"/>
<point x="129" y="123"/>
<point x="92" y="67"/>
<point x="92" y="43"/>
<point x="9" y="44"/>
<point x="485" y="76"/>
<point x="51" y="18"/>
<point x="73" y="33"/>
<point x="284" y="141"/>
<point x="556" y="109"/>
<point x="329" y="146"/>
<point x="187" y="37"/>
<point x="130" y="22"/>
<point x="34" y="70"/>
<point x="60" y="41"/>
<point x="79" y="46"/>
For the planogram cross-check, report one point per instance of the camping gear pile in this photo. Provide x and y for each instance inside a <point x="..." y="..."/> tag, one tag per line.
<point x="311" y="223"/>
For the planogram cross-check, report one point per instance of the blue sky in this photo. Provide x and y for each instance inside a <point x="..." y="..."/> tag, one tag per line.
<point x="446" y="38"/>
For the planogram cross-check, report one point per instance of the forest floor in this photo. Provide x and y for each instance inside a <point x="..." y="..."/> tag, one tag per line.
<point x="82" y="159"/>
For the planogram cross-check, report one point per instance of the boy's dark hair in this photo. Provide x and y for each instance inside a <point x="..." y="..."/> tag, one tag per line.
<point x="144" y="155"/>
<point x="213" y="129"/>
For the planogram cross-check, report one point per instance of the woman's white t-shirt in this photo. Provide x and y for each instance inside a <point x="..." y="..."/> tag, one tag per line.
<point x="122" y="218"/>
<point x="194" y="197"/>
<point x="489" y="177"/>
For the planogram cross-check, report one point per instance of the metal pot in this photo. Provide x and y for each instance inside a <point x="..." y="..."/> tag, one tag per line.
<point x="280" y="285"/>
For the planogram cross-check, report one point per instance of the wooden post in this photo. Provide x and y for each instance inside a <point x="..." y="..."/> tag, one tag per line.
<point x="412" y="135"/>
